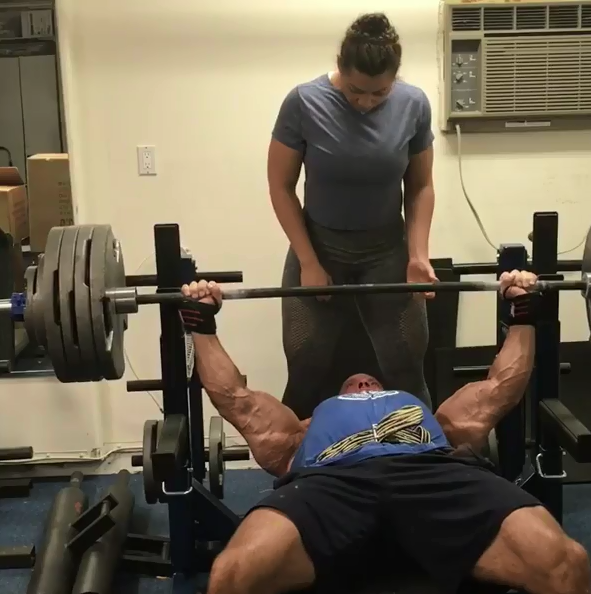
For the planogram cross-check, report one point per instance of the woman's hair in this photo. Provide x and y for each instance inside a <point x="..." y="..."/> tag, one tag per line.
<point x="370" y="46"/>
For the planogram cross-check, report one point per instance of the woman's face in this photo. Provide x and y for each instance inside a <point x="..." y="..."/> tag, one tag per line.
<point x="365" y="92"/>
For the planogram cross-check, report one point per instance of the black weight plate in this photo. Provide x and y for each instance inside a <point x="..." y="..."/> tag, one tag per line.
<point x="38" y="308"/>
<point x="117" y="279"/>
<point x="68" y="322"/>
<point x="88" y="356"/>
<point x="51" y="292"/>
<point x="31" y="287"/>
<point x="217" y="440"/>
<point x="106" y="271"/>
<point x="493" y="449"/>
<point x="152" y="490"/>
<point x="586" y="275"/>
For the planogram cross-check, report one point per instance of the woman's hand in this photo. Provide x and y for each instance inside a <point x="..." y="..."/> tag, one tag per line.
<point x="421" y="271"/>
<point x="313" y="275"/>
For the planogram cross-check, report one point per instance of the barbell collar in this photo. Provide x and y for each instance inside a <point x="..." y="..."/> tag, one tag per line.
<point x="124" y="299"/>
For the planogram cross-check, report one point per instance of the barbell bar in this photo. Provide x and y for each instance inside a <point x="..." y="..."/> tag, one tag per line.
<point x="333" y="290"/>
<point x="127" y="300"/>
<point x="76" y="300"/>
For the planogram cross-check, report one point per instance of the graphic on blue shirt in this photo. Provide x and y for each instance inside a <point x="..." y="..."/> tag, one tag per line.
<point x="353" y="427"/>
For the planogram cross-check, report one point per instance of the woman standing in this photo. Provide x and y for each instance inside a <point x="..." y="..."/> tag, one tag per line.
<point x="362" y="136"/>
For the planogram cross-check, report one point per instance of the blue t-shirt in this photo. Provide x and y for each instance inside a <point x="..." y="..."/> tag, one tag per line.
<point x="353" y="427"/>
<point x="354" y="162"/>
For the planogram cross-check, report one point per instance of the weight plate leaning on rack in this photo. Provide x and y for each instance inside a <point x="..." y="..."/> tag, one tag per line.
<point x="217" y="466"/>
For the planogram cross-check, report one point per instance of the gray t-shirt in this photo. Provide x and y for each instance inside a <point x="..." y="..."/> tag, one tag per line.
<point x="354" y="162"/>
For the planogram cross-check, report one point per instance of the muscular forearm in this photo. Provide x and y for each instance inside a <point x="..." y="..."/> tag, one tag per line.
<point x="511" y="370"/>
<point x="418" y="214"/>
<point x="272" y="431"/>
<point x="468" y="416"/>
<point x="288" y="211"/>
<point x="221" y="379"/>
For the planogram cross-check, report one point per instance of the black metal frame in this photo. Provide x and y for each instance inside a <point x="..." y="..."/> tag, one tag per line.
<point x="554" y="428"/>
<point x="535" y="461"/>
<point x="546" y="375"/>
<point x="20" y="556"/>
<point x="511" y="429"/>
<point x="197" y="519"/>
<point x="18" y="358"/>
<point x="7" y="336"/>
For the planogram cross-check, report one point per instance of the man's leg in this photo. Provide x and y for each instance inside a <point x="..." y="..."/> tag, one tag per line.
<point x="531" y="551"/>
<point x="266" y="555"/>
<point x="309" y="530"/>
<point x="457" y="520"/>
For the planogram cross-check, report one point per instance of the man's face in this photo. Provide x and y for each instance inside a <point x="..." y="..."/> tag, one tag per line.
<point x="360" y="382"/>
<point x="365" y="92"/>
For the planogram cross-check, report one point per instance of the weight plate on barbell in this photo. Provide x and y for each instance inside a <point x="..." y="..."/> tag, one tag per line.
<point x="84" y="325"/>
<point x="152" y="489"/>
<point x="31" y="287"/>
<point x="586" y="275"/>
<point x="107" y="271"/>
<point x="75" y="371"/>
<point x="217" y="467"/>
<point x="493" y="448"/>
<point x="38" y="312"/>
<point x="51" y="291"/>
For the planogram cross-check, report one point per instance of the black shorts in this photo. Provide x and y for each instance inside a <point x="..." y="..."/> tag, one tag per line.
<point x="361" y="522"/>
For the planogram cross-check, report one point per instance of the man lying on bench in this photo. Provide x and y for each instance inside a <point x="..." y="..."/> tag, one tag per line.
<point x="374" y="478"/>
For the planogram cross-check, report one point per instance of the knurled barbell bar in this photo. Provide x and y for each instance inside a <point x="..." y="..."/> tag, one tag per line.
<point x="331" y="290"/>
<point x="76" y="302"/>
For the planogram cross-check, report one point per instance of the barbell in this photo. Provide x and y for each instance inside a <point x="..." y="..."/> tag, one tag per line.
<point x="76" y="301"/>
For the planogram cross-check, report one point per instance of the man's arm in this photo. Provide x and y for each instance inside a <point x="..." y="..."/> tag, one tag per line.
<point x="272" y="430"/>
<point x="470" y="414"/>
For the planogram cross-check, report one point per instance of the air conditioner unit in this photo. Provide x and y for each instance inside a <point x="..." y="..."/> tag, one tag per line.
<point x="515" y="64"/>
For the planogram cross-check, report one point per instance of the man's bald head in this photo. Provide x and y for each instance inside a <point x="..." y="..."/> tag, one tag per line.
<point x="360" y="382"/>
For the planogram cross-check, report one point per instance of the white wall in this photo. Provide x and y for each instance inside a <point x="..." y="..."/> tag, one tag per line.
<point x="202" y="81"/>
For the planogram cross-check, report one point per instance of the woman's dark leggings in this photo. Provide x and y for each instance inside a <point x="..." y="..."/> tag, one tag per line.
<point x="396" y="324"/>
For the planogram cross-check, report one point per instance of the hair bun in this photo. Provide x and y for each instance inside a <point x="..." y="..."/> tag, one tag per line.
<point x="375" y="24"/>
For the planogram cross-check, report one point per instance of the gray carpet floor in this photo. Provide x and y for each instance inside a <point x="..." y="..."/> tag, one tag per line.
<point x="22" y="522"/>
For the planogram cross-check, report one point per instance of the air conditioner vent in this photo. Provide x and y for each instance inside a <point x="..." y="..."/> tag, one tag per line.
<point x="586" y="16"/>
<point x="466" y="19"/>
<point x="499" y="18"/>
<point x="564" y="17"/>
<point x="531" y="17"/>
<point x="537" y="75"/>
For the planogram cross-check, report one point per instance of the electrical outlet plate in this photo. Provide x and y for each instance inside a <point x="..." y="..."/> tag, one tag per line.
<point x="146" y="160"/>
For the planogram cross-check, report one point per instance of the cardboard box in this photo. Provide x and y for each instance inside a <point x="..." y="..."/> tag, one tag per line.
<point x="13" y="204"/>
<point x="50" y="196"/>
